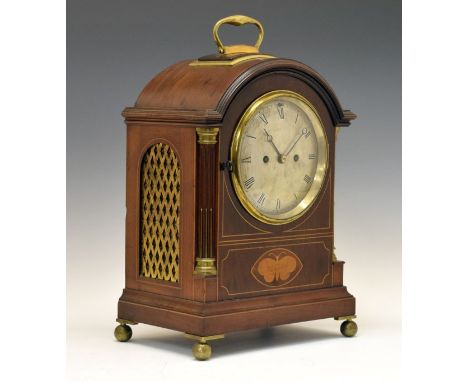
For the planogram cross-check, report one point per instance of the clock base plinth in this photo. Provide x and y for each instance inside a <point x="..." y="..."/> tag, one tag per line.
<point x="212" y="318"/>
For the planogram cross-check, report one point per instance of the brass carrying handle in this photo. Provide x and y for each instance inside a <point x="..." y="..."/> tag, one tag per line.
<point x="238" y="20"/>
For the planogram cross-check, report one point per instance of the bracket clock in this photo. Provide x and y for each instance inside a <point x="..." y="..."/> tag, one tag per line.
<point x="229" y="196"/>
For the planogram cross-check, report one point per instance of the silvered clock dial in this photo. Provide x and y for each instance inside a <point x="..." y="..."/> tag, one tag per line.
<point x="280" y="157"/>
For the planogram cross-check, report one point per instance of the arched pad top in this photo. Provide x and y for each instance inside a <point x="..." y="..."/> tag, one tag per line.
<point x="201" y="94"/>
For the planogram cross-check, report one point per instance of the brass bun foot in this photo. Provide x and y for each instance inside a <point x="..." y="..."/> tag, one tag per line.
<point x="201" y="351"/>
<point x="123" y="333"/>
<point x="348" y="328"/>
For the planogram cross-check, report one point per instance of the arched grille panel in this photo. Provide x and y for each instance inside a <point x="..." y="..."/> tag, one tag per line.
<point x="159" y="217"/>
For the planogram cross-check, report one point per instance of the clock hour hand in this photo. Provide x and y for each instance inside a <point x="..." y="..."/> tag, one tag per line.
<point x="270" y="139"/>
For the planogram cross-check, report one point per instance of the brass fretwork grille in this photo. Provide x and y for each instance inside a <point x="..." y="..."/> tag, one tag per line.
<point x="159" y="223"/>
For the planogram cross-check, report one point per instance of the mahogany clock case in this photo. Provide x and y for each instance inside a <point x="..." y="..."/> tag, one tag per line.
<point x="171" y="107"/>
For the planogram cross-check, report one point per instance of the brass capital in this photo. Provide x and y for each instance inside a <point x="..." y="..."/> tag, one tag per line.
<point x="205" y="266"/>
<point x="334" y="258"/>
<point x="207" y="135"/>
<point x="337" y="132"/>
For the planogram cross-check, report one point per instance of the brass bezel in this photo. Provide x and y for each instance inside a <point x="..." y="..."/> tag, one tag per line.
<point x="322" y="157"/>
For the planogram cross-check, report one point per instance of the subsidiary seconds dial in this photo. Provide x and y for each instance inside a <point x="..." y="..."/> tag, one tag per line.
<point x="280" y="157"/>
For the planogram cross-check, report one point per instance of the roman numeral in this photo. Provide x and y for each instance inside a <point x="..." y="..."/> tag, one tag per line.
<point x="307" y="179"/>
<point x="278" y="204"/>
<point x="249" y="182"/>
<point x="261" y="199"/>
<point x="246" y="160"/>
<point x="295" y="196"/>
<point x="312" y="156"/>
<point x="307" y="134"/>
<point x="280" y="110"/>
<point x="250" y="136"/>
<point x="297" y="115"/>
<point x="263" y="118"/>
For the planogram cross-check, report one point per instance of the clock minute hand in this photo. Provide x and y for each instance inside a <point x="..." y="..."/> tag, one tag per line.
<point x="294" y="144"/>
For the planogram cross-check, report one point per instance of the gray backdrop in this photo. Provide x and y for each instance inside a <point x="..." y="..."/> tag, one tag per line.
<point x="114" y="47"/>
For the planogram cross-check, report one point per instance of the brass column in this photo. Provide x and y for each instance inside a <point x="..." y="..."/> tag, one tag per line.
<point x="206" y="181"/>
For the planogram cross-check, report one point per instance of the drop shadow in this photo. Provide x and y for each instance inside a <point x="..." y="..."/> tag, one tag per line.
<point x="241" y="342"/>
